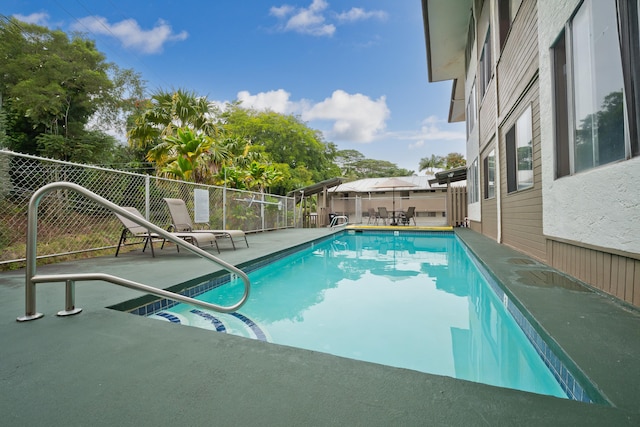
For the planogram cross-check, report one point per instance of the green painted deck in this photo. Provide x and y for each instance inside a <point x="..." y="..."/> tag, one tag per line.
<point x="105" y="367"/>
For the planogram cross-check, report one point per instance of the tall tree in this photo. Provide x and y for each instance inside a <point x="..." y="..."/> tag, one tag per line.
<point x="285" y="138"/>
<point x="166" y="112"/>
<point x="450" y="161"/>
<point x="429" y="164"/>
<point x="347" y="161"/>
<point x="454" y="160"/>
<point x="371" y="168"/>
<point x="51" y="86"/>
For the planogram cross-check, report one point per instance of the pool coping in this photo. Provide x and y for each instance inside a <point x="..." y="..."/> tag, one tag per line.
<point x="568" y="314"/>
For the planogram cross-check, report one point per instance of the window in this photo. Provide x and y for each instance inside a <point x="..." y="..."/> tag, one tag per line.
<point x="485" y="63"/>
<point x="561" y="112"/>
<point x="507" y="10"/>
<point x="589" y="92"/>
<point x="471" y="37"/>
<point x="474" y="182"/>
<point x="628" y="18"/>
<point x="472" y="109"/>
<point x="519" y="151"/>
<point x="490" y="175"/>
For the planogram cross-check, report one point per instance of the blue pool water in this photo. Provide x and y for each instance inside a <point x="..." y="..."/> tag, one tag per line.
<point x="414" y="301"/>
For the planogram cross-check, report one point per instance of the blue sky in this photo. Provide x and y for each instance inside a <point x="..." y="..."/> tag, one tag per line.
<point x="354" y="69"/>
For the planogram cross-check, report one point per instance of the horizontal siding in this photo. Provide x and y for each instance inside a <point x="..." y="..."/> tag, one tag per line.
<point x="522" y="210"/>
<point x="614" y="274"/>
<point x="518" y="62"/>
<point x="487" y="116"/>
<point x="490" y="218"/>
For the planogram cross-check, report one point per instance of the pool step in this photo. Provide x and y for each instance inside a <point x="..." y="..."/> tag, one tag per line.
<point x="232" y="323"/>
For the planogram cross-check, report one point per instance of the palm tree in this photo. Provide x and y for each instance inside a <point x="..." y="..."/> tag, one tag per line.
<point x="181" y="155"/>
<point x="431" y="163"/>
<point x="166" y="112"/>
<point x="261" y="176"/>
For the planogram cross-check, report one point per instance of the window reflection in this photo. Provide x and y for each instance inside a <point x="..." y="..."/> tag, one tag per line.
<point x="597" y="83"/>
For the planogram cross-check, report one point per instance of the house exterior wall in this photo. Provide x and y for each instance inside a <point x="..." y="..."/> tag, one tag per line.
<point x="487" y="118"/>
<point x="586" y="223"/>
<point x="591" y="219"/>
<point x="518" y="89"/>
<point x="489" y="224"/>
<point x="487" y="115"/>
<point x="474" y="209"/>
<point x="522" y="210"/>
<point x="599" y="206"/>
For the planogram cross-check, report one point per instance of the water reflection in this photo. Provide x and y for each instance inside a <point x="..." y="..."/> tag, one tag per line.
<point x="407" y="301"/>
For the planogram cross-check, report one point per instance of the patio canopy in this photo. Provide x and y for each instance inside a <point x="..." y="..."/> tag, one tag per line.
<point x="371" y="185"/>
<point x="316" y="188"/>
<point x="451" y="175"/>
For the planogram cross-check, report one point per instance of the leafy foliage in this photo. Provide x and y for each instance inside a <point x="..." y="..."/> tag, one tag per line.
<point x="52" y="86"/>
<point x="354" y="165"/>
<point x="450" y="161"/>
<point x="285" y="139"/>
<point x="59" y="97"/>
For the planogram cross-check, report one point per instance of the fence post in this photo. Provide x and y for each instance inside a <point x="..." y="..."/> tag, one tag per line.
<point x="224" y="202"/>
<point x="147" y="197"/>
<point x="262" y="209"/>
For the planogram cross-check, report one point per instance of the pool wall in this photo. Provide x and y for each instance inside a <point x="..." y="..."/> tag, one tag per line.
<point x="564" y="375"/>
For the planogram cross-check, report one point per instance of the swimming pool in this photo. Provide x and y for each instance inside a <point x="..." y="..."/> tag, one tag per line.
<point x="410" y="300"/>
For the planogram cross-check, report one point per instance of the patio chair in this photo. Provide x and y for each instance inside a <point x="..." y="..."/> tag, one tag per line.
<point x="133" y="229"/>
<point x="408" y="215"/>
<point x="383" y="214"/>
<point x="373" y="216"/>
<point x="181" y="222"/>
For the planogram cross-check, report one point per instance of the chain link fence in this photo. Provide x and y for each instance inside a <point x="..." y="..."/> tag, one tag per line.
<point x="69" y="224"/>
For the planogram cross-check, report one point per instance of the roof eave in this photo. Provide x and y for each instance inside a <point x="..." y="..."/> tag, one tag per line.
<point x="446" y="24"/>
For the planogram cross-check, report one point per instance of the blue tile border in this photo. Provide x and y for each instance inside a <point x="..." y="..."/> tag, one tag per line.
<point x="556" y="366"/>
<point x="214" y="320"/>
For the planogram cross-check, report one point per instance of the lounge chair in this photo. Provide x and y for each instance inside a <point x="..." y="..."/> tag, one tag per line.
<point x="408" y="215"/>
<point x="136" y="230"/>
<point x="181" y="222"/>
<point x="373" y="217"/>
<point x="383" y="214"/>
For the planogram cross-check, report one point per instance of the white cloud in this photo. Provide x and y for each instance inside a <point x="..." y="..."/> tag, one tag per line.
<point x="417" y="144"/>
<point x="41" y="18"/>
<point x="305" y="20"/>
<point x="356" y="117"/>
<point x="282" y="11"/>
<point x="352" y="117"/>
<point x="430" y="133"/>
<point x="430" y="130"/>
<point x="274" y="100"/>
<point x="129" y="33"/>
<point x="312" y="20"/>
<point x="359" y="14"/>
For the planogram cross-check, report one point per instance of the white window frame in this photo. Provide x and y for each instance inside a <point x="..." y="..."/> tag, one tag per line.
<point x="573" y="164"/>
<point x="490" y="175"/>
<point x="519" y="136"/>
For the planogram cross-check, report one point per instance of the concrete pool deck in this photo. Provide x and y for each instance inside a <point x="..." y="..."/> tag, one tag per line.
<point x="105" y="367"/>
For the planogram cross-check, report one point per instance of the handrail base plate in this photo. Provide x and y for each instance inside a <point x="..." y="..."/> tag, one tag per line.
<point x="28" y="317"/>
<point x="69" y="312"/>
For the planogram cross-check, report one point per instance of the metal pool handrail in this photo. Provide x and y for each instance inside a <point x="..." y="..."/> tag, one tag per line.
<point x="31" y="277"/>
<point x="334" y="221"/>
